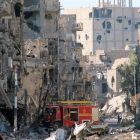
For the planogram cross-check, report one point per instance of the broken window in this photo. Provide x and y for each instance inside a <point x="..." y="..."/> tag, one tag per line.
<point x="99" y="37"/>
<point x="109" y="12"/>
<point x="108" y="31"/>
<point x="74" y="114"/>
<point x="80" y="69"/>
<point x="96" y="13"/>
<point x="102" y="13"/>
<point x="79" y="36"/>
<point x="3" y="21"/>
<point x="119" y="19"/>
<point x="17" y="9"/>
<point x="108" y="25"/>
<point x="86" y="36"/>
<point x="28" y="3"/>
<point x="129" y="22"/>
<point x="31" y="18"/>
<point x="90" y="15"/>
<point x="27" y="15"/>
<point x="112" y="80"/>
<point x="48" y="16"/>
<point x="104" y="88"/>
<point x="33" y="27"/>
<point x="94" y="78"/>
<point x="137" y="25"/>
<point x="103" y="24"/>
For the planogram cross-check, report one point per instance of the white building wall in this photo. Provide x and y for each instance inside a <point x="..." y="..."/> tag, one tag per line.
<point x="82" y="15"/>
<point x="116" y="31"/>
<point x="107" y="38"/>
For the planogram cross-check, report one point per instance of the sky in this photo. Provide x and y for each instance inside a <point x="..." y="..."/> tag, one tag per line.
<point x="87" y="3"/>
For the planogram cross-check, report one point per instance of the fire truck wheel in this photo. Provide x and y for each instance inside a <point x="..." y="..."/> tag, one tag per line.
<point x="56" y="125"/>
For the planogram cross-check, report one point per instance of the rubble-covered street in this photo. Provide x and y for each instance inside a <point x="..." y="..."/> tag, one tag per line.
<point x="69" y="73"/>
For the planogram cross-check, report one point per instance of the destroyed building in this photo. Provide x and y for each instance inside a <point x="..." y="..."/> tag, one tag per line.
<point x="110" y="25"/>
<point x="29" y="53"/>
<point x="41" y="62"/>
<point x="103" y="68"/>
<point x="75" y="83"/>
<point x="41" y="49"/>
<point x="11" y="54"/>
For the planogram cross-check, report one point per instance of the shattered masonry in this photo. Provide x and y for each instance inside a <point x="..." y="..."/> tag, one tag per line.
<point x="38" y="47"/>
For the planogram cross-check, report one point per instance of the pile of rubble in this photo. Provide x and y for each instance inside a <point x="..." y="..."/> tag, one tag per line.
<point x="24" y="134"/>
<point x="95" y="132"/>
<point x="84" y="131"/>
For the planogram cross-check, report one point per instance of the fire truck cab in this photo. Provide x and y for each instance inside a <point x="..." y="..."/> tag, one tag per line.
<point x="68" y="114"/>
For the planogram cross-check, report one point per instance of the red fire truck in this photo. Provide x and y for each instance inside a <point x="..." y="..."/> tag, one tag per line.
<point x="70" y="112"/>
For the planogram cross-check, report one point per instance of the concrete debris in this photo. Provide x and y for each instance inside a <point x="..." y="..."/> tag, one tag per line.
<point x="79" y="128"/>
<point x="114" y="105"/>
<point x="61" y="134"/>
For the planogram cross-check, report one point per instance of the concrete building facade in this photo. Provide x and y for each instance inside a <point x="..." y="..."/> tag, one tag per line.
<point x="108" y="26"/>
<point x="76" y="84"/>
<point x="106" y="79"/>
<point x="41" y="18"/>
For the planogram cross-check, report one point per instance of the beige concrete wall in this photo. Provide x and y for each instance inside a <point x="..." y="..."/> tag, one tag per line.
<point x="115" y="87"/>
<point x="82" y="15"/>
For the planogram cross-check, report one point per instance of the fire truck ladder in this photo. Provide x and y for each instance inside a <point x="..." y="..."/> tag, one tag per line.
<point x="75" y="102"/>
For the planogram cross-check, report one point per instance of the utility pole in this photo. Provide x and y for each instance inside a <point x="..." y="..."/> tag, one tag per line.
<point x="58" y="58"/>
<point x="15" y="101"/>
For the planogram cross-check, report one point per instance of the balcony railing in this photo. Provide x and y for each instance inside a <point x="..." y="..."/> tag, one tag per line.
<point x="51" y="8"/>
<point x="77" y="27"/>
<point x="77" y="45"/>
<point x="51" y="35"/>
<point x="31" y="8"/>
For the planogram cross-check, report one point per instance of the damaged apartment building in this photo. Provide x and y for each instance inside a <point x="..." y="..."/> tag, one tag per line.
<point x="109" y="26"/>
<point x="41" y="47"/>
<point x="11" y="54"/>
<point x="29" y="54"/>
<point x="75" y="83"/>
<point x="40" y="58"/>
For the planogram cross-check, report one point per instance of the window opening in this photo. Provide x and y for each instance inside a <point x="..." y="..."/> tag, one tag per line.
<point x="104" y="88"/>
<point x="17" y="9"/>
<point x="90" y="15"/>
<point x="74" y="114"/>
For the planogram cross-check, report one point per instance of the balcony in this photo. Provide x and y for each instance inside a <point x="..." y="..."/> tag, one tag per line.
<point x="51" y="35"/>
<point x="77" y="45"/>
<point x="32" y="8"/>
<point x="77" y="27"/>
<point x="51" y="8"/>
